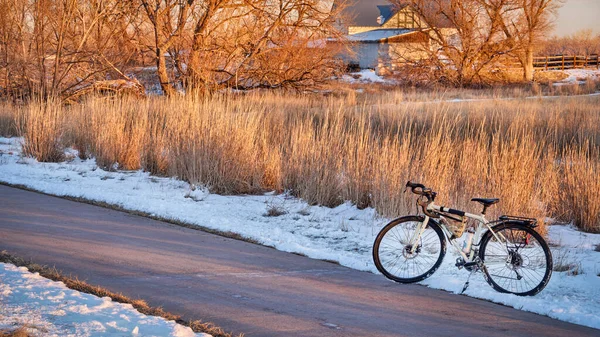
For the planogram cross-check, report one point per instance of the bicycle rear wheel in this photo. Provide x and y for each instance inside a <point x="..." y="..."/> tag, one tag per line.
<point x="395" y="257"/>
<point x="517" y="260"/>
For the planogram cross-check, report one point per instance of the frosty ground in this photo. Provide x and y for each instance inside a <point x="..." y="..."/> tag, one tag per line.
<point x="343" y="234"/>
<point x="574" y="76"/>
<point x="49" y="308"/>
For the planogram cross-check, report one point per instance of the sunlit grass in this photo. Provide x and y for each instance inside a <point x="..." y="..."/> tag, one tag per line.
<point x="540" y="156"/>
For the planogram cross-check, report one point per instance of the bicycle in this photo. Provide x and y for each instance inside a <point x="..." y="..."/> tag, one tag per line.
<point x="513" y="257"/>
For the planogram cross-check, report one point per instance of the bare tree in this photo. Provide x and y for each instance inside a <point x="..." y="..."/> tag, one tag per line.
<point x="271" y="44"/>
<point x="68" y="47"/>
<point x="61" y="47"/>
<point x="468" y="38"/>
<point x="462" y="39"/>
<point x="525" y="23"/>
<point x="583" y="42"/>
<point x="168" y="19"/>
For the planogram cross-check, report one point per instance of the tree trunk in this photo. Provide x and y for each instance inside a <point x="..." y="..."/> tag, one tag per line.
<point x="194" y="66"/>
<point x="163" y="76"/>
<point x="528" y="66"/>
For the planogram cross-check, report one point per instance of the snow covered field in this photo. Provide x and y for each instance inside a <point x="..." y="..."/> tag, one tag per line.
<point x="344" y="234"/>
<point x="579" y="76"/>
<point x="49" y="308"/>
<point x="365" y="76"/>
<point x="575" y="76"/>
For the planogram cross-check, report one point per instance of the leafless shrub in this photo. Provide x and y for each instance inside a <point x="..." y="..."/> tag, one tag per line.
<point x="274" y="210"/>
<point x="61" y="47"/>
<point x="243" y="45"/>
<point x="564" y="262"/>
<point x="582" y="42"/>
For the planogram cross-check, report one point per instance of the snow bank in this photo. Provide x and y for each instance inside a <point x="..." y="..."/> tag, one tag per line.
<point x="364" y="76"/>
<point x="579" y="76"/>
<point x="344" y="234"/>
<point x="49" y="308"/>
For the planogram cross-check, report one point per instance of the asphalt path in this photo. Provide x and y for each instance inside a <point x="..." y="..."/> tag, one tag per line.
<point x="243" y="287"/>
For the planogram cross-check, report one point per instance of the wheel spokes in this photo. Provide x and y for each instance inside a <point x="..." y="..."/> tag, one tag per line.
<point x="406" y="261"/>
<point x="518" y="264"/>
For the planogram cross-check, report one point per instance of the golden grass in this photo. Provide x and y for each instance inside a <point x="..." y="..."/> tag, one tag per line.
<point x="580" y="187"/>
<point x="329" y="149"/>
<point x="19" y="332"/>
<point x="42" y="125"/>
<point x="8" y="126"/>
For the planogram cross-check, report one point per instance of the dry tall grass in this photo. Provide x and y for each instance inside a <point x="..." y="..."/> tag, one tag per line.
<point x="540" y="156"/>
<point x="19" y="332"/>
<point x="8" y="126"/>
<point x="580" y="187"/>
<point x="42" y="124"/>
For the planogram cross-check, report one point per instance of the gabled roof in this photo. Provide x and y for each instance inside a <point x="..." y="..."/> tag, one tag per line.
<point x="363" y="12"/>
<point x="388" y="11"/>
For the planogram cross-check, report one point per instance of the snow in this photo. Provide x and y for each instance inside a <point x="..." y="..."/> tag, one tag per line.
<point x="344" y="234"/>
<point x="364" y="76"/>
<point x="48" y="308"/>
<point x="579" y="76"/>
<point x="377" y="35"/>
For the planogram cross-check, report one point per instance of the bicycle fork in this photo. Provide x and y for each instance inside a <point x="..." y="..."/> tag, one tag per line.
<point x="417" y="235"/>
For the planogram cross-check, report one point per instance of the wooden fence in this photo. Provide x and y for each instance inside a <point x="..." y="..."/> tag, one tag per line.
<point x="563" y="62"/>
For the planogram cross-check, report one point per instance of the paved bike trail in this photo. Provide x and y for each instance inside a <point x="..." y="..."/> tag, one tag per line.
<point x="243" y="287"/>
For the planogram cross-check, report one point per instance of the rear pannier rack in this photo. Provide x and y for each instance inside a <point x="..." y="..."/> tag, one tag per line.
<point x="526" y="221"/>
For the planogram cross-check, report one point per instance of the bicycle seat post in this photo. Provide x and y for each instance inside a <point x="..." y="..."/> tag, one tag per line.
<point x="485" y="207"/>
<point x="486" y="203"/>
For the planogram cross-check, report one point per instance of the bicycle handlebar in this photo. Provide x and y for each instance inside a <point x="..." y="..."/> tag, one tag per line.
<point x="414" y="187"/>
<point x="420" y="189"/>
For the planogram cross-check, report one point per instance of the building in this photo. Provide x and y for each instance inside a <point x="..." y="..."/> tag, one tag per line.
<point x="398" y="35"/>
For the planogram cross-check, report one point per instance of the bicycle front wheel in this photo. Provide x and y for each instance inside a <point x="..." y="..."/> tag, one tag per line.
<point x="517" y="259"/>
<point x="399" y="260"/>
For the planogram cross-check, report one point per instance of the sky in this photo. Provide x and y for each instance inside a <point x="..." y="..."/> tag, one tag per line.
<point x="573" y="16"/>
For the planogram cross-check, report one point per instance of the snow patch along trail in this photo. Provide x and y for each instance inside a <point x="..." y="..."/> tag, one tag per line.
<point x="366" y="76"/>
<point x="343" y="234"/>
<point x="579" y="76"/>
<point x="48" y="308"/>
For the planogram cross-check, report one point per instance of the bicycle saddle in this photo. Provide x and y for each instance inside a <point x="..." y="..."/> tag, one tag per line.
<point x="486" y="202"/>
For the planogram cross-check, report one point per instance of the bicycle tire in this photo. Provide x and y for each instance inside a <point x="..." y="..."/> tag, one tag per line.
<point x="389" y="236"/>
<point x="513" y="271"/>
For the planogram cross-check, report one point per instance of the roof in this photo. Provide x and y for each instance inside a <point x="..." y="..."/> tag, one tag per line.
<point x="378" y="35"/>
<point x="363" y="12"/>
<point x="386" y="12"/>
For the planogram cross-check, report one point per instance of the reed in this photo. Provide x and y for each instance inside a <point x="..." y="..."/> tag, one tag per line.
<point x="42" y="125"/>
<point x="327" y="149"/>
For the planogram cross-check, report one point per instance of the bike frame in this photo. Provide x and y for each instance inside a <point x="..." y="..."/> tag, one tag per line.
<point x="482" y="226"/>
